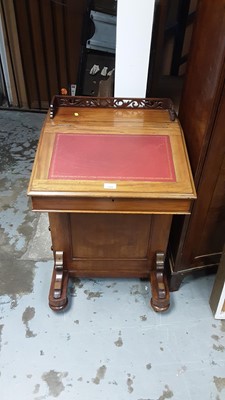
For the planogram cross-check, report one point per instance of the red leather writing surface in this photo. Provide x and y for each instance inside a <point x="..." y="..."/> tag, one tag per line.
<point x="112" y="157"/>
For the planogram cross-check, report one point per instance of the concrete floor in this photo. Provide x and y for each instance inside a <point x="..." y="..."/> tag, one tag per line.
<point x="108" y="344"/>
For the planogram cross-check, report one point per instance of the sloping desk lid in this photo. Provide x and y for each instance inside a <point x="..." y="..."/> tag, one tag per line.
<point x="112" y="157"/>
<point x="101" y="151"/>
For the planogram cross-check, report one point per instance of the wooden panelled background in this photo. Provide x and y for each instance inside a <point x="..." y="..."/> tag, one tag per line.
<point x="171" y="39"/>
<point x="49" y="35"/>
<point x="45" y="45"/>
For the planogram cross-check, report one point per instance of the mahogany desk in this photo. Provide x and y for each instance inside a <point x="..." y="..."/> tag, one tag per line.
<point x="110" y="173"/>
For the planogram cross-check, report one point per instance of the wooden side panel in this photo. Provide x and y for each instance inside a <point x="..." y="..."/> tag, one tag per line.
<point x="197" y="241"/>
<point x="211" y="237"/>
<point x="207" y="223"/>
<point x="200" y="95"/>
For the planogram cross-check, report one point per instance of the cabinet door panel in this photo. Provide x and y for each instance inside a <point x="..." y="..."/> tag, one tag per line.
<point x="110" y="236"/>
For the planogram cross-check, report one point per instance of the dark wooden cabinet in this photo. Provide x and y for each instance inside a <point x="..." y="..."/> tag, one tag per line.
<point x="196" y="241"/>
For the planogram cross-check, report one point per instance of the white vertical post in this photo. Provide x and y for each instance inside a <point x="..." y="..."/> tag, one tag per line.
<point x="133" y="42"/>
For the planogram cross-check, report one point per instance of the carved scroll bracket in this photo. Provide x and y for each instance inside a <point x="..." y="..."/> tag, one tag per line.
<point x="58" y="290"/>
<point x="59" y="274"/>
<point x="160" y="292"/>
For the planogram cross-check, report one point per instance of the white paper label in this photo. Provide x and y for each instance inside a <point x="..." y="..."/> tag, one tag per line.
<point x="110" y="186"/>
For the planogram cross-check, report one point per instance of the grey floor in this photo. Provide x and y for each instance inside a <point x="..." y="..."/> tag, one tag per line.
<point x="108" y="344"/>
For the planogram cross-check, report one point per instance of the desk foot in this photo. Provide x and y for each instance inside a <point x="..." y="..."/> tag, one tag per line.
<point x="160" y="300"/>
<point x="58" y="290"/>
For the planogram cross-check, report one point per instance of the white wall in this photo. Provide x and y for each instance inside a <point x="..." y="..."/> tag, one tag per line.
<point x="133" y="42"/>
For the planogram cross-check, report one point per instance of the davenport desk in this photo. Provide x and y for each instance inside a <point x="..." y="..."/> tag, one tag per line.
<point x="111" y="173"/>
